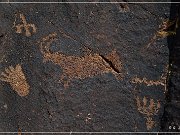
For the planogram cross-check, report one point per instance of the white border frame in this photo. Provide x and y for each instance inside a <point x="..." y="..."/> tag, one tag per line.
<point x="31" y="2"/>
<point x="91" y="132"/>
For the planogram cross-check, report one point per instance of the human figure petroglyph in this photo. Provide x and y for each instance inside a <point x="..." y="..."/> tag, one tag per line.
<point x="75" y="67"/>
<point x="26" y="26"/>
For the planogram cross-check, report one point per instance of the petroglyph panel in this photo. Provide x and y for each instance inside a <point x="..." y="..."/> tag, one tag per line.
<point x="84" y="65"/>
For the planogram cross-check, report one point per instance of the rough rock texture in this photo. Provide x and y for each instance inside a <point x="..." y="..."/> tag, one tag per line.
<point x="171" y="118"/>
<point x="117" y="42"/>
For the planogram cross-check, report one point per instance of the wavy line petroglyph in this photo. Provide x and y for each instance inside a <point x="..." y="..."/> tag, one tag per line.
<point x="161" y="81"/>
<point x="16" y="78"/>
<point x="122" y="7"/>
<point x="81" y="67"/>
<point x="148" y="82"/>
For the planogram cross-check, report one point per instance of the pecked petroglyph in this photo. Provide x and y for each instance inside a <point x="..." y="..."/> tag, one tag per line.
<point x="16" y="78"/>
<point x="148" y="110"/>
<point x="148" y="82"/>
<point x="150" y="123"/>
<point x="80" y="67"/>
<point x="162" y="81"/>
<point x="26" y="26"/>
<point x="163" y="31"/>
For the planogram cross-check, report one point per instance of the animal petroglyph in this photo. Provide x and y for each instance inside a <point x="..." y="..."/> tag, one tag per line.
<point x="26" y="26"/>
<point x="17" y="79"/>
<point x="80" y="67"/>
<point x="148" y="110"/>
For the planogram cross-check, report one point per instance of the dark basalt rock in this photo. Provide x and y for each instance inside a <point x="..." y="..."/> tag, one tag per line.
<point x="99" y="100"/>
<point x="171" y="119"/>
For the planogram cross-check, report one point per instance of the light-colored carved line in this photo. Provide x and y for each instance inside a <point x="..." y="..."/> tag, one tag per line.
<point x="137" y="80"/>
<point x="162" y="81"/>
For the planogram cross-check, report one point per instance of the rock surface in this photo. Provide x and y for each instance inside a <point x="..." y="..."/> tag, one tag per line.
<point x="171" y="118"/>
<point x="90" y="67"/>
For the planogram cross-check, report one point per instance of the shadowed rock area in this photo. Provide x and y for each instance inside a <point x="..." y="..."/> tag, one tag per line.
<point x="72" y="67"/>
<point x="171" y="118"/>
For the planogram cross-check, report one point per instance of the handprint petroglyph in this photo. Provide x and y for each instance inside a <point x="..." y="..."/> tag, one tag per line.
<point x="148" y="110"/>
<point x="16" y="78"/>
